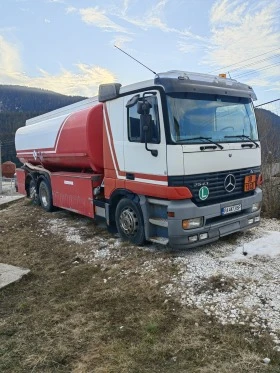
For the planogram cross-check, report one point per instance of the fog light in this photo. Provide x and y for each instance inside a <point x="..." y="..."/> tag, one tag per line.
<point x="257" y="219"/>
<point x="193" y="238"/>
<point x="192" y="223"/>
<point x="256" y="206"/>
<point x="203" y="236"/>
<point x="250" y="221"/>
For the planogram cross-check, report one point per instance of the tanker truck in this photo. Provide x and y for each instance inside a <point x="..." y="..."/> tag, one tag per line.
<point x="173" y="160"/>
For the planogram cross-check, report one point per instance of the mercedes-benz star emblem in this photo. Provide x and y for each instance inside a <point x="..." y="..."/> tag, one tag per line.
<point x="230" y="183"/>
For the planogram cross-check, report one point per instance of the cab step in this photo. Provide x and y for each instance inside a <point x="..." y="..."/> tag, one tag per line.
<point x="159" y="221"/>
<point x="160" y="240"/>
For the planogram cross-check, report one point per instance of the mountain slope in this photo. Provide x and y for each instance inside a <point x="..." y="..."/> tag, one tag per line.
<point x="269" y="133"/>
<point x="17" y="104"/>
<point x="25" y="99"/>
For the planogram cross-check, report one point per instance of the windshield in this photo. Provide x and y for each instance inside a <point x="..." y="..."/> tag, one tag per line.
<point x="210" y="116"/>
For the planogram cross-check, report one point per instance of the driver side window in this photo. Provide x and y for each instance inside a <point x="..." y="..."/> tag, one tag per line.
<point x="133" y="122"/>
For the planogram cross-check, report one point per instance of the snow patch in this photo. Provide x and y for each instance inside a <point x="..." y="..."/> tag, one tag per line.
<point x="269" y="245"/>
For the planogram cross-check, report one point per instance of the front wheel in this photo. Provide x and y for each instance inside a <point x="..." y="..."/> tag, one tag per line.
<point x="45" y="196"/>
<point x="129" y="221"/>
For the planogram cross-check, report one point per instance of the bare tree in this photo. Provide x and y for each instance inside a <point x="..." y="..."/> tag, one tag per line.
<point x="269" y="129"/>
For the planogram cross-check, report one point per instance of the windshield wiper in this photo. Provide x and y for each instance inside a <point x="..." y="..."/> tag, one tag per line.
<point x="203" y="138"/>
<point x="243" y="137"/>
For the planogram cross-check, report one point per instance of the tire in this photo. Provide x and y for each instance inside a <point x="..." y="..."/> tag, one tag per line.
<point x="45" y="196"/>
<point x="129" y="221"/>
<point x="32" y="193"/>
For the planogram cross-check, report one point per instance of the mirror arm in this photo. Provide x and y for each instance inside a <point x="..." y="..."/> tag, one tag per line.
<point x="153" y="151"/>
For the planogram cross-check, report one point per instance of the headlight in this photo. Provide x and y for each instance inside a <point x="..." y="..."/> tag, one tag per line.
<point x="256" y="206"/>
<point x="192" y="223"/>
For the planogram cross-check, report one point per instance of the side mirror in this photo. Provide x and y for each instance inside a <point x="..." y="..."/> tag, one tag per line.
<point x="108" y="91"/>
<point x="146" y="132"/>
<point x="145" y="124"/>
<point x="132" y="101"/>
<point x="143" y="107"/>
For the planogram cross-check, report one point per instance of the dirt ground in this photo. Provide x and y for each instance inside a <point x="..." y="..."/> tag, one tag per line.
<point x="92" y="303"/>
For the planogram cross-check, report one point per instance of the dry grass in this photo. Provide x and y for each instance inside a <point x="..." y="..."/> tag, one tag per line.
<point x="75" y="322"/>
<point x="271" y="197"/>
<point x="217" y="283"/>
<point x="271" y="187"/>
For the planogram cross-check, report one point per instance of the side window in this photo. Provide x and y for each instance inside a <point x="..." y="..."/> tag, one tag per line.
<point x="133" y="119"/>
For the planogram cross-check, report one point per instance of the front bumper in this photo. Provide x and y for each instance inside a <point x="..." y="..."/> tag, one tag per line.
<point x="215" y="224"/>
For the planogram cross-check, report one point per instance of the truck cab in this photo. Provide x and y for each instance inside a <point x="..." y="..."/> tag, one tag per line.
<point x="192" y="156"/>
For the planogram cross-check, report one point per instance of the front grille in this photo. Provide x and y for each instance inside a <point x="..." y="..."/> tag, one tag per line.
<point x="215" y="183"/>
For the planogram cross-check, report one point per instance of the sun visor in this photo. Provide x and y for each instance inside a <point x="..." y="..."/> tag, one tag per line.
<point x="176" y="81"/>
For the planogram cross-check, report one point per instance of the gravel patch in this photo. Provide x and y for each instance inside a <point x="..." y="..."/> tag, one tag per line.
<point x="96" y="249"/>
<point x="232" y="287"/>
<point x="219" y="279"/>
<point x="70" y="233"/>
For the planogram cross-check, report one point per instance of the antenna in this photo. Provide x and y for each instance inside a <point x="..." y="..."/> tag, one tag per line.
<point x="136" y="60"/>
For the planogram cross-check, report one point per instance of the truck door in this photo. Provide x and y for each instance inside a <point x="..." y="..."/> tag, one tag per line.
<point x="140" y="164"/>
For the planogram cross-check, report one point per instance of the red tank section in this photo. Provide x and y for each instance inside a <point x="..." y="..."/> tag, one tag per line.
<point x="79" y="144"/>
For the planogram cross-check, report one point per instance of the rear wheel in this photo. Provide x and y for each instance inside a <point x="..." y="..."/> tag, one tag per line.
<point x="31" y="191"/>
<point x="45" y="196"/>
<point x="129" y="221"/>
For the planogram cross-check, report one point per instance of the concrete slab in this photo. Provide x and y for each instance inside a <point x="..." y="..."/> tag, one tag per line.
<point x="9" y="193"/>
<point x="9" y="274"/>
<point x="6" y="198"/>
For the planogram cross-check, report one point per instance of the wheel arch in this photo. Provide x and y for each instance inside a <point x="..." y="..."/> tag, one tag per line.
<point x="115" y="198"/>
<point x="38" y="176"/>
<point x="129" y="220"/>
<point x="43" y="177"/>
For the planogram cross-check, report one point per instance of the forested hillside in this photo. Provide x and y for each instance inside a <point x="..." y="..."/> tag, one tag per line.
<point x="15" y="98"/>
<point x="269" y="132"/>
<point x="17" y="104"/>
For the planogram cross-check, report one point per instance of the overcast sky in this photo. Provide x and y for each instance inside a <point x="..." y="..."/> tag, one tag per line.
<point x="68" y="45"/>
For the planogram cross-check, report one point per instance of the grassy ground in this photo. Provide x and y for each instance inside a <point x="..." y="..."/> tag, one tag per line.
<point x="69" y="315"/>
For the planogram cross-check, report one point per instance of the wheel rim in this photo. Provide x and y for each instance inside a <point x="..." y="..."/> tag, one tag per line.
<point x="44" y="197"/>
<point x="128" y="221"/>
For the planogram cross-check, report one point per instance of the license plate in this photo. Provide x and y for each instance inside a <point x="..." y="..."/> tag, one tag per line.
<point x="231" y="209"/>
<point x="250" y="183"/>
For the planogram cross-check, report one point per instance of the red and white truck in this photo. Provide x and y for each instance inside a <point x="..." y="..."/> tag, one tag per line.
<point x="173" y="160"/>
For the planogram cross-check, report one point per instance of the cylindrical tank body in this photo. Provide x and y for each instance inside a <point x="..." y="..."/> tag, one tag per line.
<point x="68" y="138"/>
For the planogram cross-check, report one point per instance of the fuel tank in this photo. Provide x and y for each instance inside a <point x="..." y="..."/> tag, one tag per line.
<point x="68" y="138"/>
